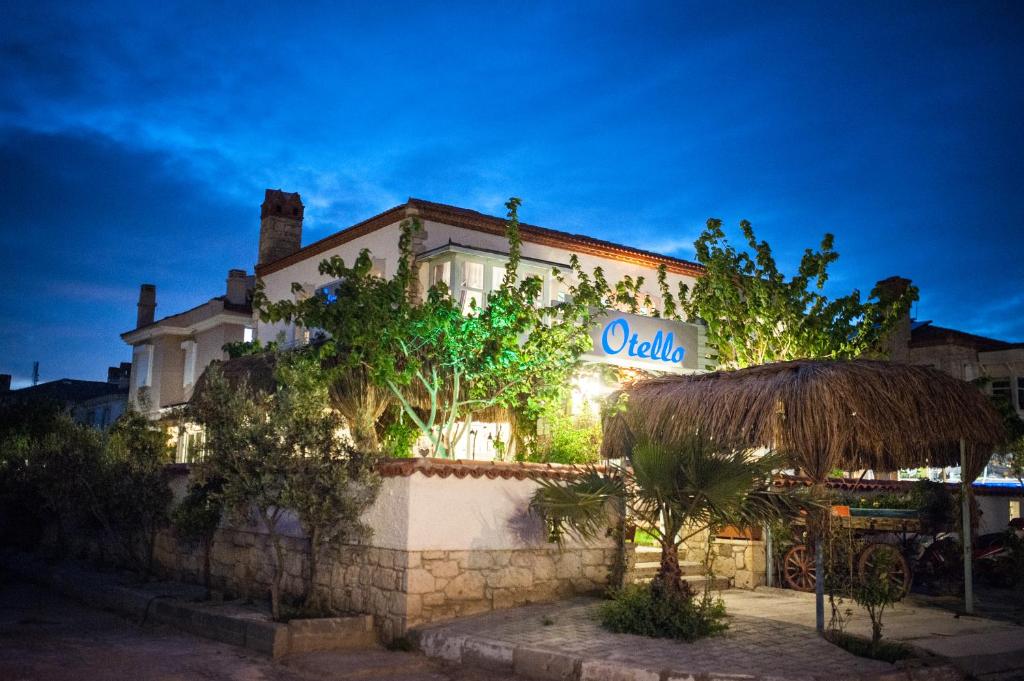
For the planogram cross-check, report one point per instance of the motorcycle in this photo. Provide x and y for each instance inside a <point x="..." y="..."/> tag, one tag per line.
<point x="996" y="557"/>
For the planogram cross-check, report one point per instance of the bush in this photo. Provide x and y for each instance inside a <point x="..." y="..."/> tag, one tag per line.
<point x="636" y="610"/>
<point x="569" y="439"/>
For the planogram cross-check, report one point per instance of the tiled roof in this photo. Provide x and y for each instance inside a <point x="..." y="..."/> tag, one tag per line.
<point x="926" y="334"/>
<point x="476" y="221"/>
<point x="64" y="391"/>
<point x="849" y="485"/>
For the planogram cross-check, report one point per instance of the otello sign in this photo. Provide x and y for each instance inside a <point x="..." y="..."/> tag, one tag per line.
<point x="644" y="342"/>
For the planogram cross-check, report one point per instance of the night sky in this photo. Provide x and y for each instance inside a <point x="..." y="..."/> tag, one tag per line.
<point x="135" y="144"/>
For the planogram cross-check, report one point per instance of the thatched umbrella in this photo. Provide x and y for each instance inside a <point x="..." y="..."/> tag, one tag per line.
<point x="822" y="415"/>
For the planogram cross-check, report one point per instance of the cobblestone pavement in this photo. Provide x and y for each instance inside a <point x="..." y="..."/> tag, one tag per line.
<point x="46" y="637"/>
<point x="753" y="645"/>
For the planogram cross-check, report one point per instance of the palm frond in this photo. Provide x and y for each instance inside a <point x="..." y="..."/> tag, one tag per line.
<point x="582" y="507"/>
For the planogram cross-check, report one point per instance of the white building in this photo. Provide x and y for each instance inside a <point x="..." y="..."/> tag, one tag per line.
<point x="468" y="251"/>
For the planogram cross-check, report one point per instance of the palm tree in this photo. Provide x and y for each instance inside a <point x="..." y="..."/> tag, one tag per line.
<point x="675" y="491"/>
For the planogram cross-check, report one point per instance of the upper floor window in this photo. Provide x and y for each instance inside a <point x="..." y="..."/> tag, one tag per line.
<point x="142" y="366"/>
<point x="1020" y="392"/>
<point x="189" y="371"/>
<point x="1001" y="388"/>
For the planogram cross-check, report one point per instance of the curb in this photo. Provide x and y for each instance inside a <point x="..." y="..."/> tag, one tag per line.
<point x="246" y="629"/>
<point x="550" y="665"/>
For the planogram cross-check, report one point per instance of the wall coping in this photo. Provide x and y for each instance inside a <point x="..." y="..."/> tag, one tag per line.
<point x="464" y="468"/>
<point x="457" y="468"/>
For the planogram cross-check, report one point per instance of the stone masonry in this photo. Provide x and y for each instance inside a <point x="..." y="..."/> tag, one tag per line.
<point x="401" y="589"/>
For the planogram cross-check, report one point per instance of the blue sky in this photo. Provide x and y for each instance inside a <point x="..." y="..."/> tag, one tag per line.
<point x="135" y="143"/>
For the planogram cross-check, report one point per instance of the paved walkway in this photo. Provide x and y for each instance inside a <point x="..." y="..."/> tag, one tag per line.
<point x="47" y="637"/>
<point x="771" y="636"/>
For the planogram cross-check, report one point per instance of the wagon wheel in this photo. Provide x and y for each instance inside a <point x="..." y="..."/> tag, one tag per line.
<point x="897" y="569"/>
<point x="798" y="568"/>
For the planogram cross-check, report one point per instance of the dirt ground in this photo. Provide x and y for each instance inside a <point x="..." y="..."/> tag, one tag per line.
<point x="46" y="637"/>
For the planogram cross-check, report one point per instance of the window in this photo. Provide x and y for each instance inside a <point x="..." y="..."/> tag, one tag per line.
<point x="377" y="269"/>
<point x="441" y="273"/>
<point x="497" y="277"/>
<point x="473" y="275"/>
<point x="1001" y="388"/>
<point x="330" y="291"/>
<point x="468" y="300"/>
<point x="189" y="371"/>
<point x="1020" y="392"/>
<point x="142" y="366"/>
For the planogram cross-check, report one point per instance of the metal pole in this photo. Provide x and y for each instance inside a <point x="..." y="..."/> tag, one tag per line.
<point x="769" y="568"/>
<point x="965" y="512"/>
<point x="819" y="585"/>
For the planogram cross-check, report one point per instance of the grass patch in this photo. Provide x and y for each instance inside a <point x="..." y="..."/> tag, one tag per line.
<point x="642" y="538"/>
<point x="886" y="651"/>
<point x="636" y="610"/>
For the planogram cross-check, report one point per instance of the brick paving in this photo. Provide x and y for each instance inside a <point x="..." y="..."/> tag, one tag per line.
<point x="753" y="646"/>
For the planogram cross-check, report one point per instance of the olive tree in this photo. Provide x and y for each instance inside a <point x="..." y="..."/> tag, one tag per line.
<point x="756" y="314"/>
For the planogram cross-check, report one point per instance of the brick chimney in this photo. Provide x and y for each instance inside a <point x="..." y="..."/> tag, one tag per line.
<point x="280" y="225"/>
<point x="5" y="383"/>
<point x="147" y="305"/>
<point x="239" y="285"/>
<point x="887" y="291"/>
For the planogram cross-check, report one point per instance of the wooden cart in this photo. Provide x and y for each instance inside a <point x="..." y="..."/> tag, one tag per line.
<point x="798" y="571"/>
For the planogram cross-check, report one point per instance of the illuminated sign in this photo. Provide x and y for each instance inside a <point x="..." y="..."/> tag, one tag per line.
<point x="644" y="342"/>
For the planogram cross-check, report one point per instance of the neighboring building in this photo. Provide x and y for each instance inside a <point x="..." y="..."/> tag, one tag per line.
<point x="997" y="365"/>
<point x="169" y="355"/>
<point x="969" y="357"/>
<point x="92" y="403"/>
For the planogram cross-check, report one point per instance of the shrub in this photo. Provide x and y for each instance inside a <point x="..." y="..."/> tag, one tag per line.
<point x="569" y="439"/>
<point x="197" y="517"/>
<point x="636" y="609"/>
<point x="875" y="591"/>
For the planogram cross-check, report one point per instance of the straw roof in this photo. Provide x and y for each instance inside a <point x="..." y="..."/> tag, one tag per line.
<point x="821" y="414"/>
<point x="254" y="372"/>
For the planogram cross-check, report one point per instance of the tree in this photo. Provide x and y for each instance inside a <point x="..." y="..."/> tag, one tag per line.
<point x="48" y="464"/>
<point x="132" y="499"/>
<point x="330" y="483"/>
<point x="355" y="321"/>
<point x="245" y="447"/>
<point x="282" y="452"/>
<point x="755" y="314"/>
<point x="438" y="364"/>
<point x="676" y="491"/>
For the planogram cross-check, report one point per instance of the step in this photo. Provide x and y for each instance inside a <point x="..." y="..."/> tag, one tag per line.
<point x="687" y="567"/>
<point x="695" y="581"/>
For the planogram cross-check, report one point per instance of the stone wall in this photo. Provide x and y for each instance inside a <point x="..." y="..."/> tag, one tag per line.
<point x="449" y="539"/>
<point x="401" y="589"/>
<point x="741" y="561"/>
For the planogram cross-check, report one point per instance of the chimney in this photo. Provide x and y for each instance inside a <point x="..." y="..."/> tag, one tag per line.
<point x="280" y="225"/>
<point x="119" y="375"/>
<point x="5" y="383"/>
<point x="239" y="285"/>
<point x="888" y="291"/>
<point x="147" y="305"/>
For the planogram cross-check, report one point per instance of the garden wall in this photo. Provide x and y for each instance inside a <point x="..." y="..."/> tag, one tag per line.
<point x="450" y="538"/>
<point x="741" y="561"/>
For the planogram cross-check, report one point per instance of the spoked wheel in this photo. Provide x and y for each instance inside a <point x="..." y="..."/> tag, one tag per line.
<point x="890" y="560"/>
<point x="798" y="568"/>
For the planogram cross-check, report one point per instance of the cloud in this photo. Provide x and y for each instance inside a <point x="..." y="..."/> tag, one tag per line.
<point x="84" y="220"/>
